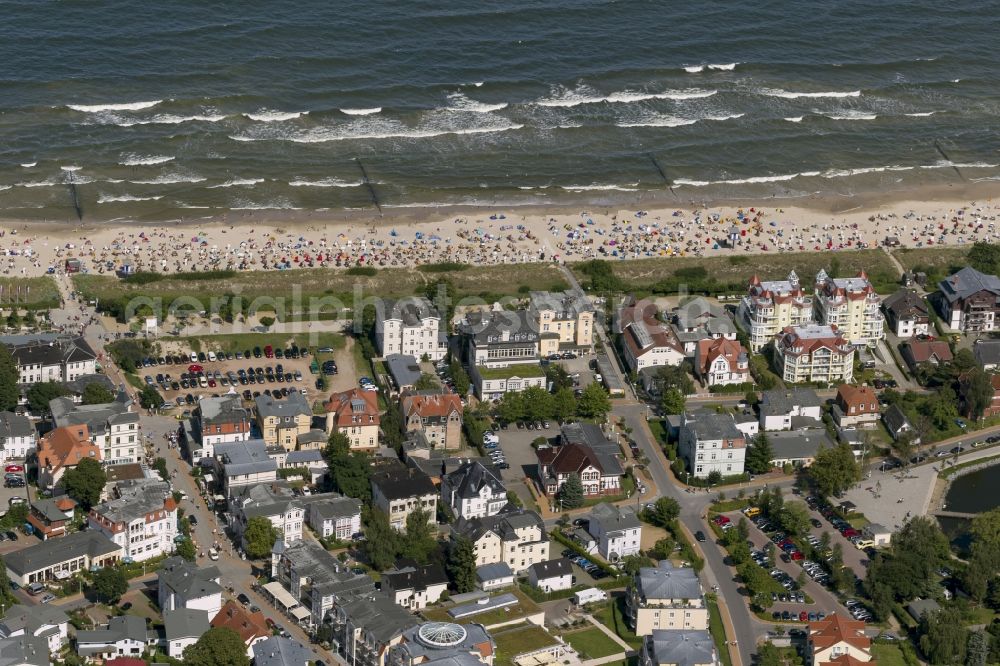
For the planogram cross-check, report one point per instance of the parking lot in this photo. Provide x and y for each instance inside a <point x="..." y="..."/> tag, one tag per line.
<point x="181" y="381"/>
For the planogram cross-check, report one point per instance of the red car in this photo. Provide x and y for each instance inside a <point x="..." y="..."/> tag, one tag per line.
<point x="796" y="555"/>
<point x="269" y="351"/>
<point x="850" y="532"/>
<point x="195" y="368"/>
<point x="211" y="383"/>
<point x="803" y="616"/>
<point x="14" y="468"/>
<point x="720" y="520"/>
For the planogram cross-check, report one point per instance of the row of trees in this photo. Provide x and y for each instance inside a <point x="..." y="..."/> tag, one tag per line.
<point x="384" y="544"/>
<point x="535" y="404"/>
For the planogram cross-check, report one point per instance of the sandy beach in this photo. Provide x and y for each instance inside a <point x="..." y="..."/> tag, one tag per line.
<point x="486" y="236"/>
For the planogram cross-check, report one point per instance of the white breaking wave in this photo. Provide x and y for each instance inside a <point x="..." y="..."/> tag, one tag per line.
<point x="923" y="114"/>
<point x="326" y="182"/>
<point x="372" y="131"/>
<point x="674" y="121"/>
<point x="169" y="179"/>
<point x="167" y="119"/>
<point x="942" y="164"/>
<point x="28" y="165"/>
<point x="237" y="182"/>
<point x="794" y="119"/>
<point x="70" y="168"/>
<point x="851" y="115"/>
<point x="586" y="96"/>
<point x="829" y="173"/>
<point x="128" y="106"/>
<point x="5" y="187"/>
<point x="727" y="67"/>
<point x="145" y="160"/>
<point x="598" y="187"/>
<point x="460" y="102"/>
<point x="362" y="112"/>
<point x="266" y="116"/>
<point x="777" y="92"/>
<point x="694" y="69"/>
<point x="107" y="198"/>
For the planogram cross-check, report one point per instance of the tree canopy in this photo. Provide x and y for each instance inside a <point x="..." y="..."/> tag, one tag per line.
<point x="259" y="537"/>
<point x="462" y="563"/>
<point x="85" y="482"/>
<point x="110" y="584"/>
<point x="571" y="492"/>
<point x="97" y="394"/>
<point x="41" y="393"/>
<point x="594" y="402"/>
<point x="219" y="646"/>
<point x="834" y="470"/>
<point x="349" y="471"/>
<point x="9" y="379"/>
<point x="759" y="455"/>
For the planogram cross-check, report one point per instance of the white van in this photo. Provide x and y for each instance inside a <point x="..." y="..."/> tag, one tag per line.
<point x="211" y="356"/>
<point x="589" y="595"/>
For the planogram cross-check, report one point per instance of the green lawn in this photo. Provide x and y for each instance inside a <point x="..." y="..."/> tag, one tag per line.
<point x="718" y="631"/>
<point x="513" y="642"/>
<point x="519" y="370"/>
<point x="613" y="617"/>
<point x="37" y="293"/>
<point x="592" y="643"/>
<point x="234" y="342"/>
<point x="887" y="654"/>
<point x="525" y="606"/>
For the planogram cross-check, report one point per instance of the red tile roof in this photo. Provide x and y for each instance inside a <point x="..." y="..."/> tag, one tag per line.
<point x="709" y="350"/>
<point x="66" y="446"/>
<point x="248" y="625"/>
<point x="858" y="396"/>
<point x="428" y="405"/>
<point x="342" y="406"/>
<point x="838" y="629"/>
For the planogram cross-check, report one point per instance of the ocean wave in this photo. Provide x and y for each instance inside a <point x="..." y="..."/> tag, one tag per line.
<point x="777" y="92"/>
<point x="236" y="182"/>
<point x="41" y="183"/>
<point x="794" y="119"/>
<point x="922" y="114"/>
<point x="829" y="173"/>
<point x="169" y="179"/>
<point x="674" y="121"/>
<point x="694" y="69"/>
<point x="5" y="187"/>
<point x="167" y="119"/>
<point x="569" y="99"/>
<point x="107" y="198"/>
<point x="28" y="165"/>
<point x="599" y="187"/>
<point x="460" y="102"/>
<point x="325" y="182"/>
<point x="266" y="116"/>
<point x="70" y="168"/>
<point x="726" y="68"/>
<point x="943" y="164"/>
<point x="478" y="84"/>
<point x="362" y="112"/>
<point x="375" y="130"/>
<point x="851" y="115"/>
<point x="128" y="106"/>
<point x="145" y="160"/>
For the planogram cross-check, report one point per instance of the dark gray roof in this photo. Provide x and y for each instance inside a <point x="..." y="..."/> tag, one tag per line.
<point x="967" y="282"/>
<point x="414" y="577"/>
<point x="264" y="500"/>
<point x="681" y="647"/>
<point x="55" y="551"/>
<point x="503" y="524"/>
<point x="222" y="410"/>
<point x="332" y="505"/>
<point x="665" y="581"/>
<point x="793" y="444"/>
<point x="551" y="568"/>
<point x="31" y="618"/>
<point x="24" y="651"/>
<point x="398" y="482"/>
<point x="711" y="426"/>
<point x="919" y="607"/>
<point x="281" y="651"/>
<point x="63" y="349"/>
<point x="419" y="651"/>
<point x="78" y="385"/>
<point x="591" y="436"/>
<point x="614" y="518"/>
<point x="15" y="425"/>
<point x="247" y="457"/>
<point x="295" y="458"/>
<point x="185" y="623"/>
<point x="187" y="579"/>
<point x="120" y="627"/>
<point x="379" y="616"/>
<point x="493" y="571"/>
<point x="895" y="419"/>
<point x="409" y="310"/>
<point x="469" y="479"/>
<point x="66" y="413"/>
<point x="136" y="498"/>
<point x="781" y="401"/>
<point x="404" y="369"/>
<point x="905" y="302"/>
<point x="310" y="437"/>
<point x="295" y="404"/>
<point x="501" y="327"/>
<point x="987" y="352"/>
<point x="566" y="304"/>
